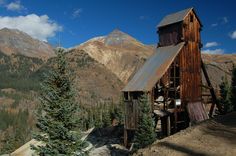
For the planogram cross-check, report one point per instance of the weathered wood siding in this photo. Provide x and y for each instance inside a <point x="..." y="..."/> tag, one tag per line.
<point x="170" y="35"/>
<point x="190" y="60"/>
<point x="189" y="57"/>
<point x="190" y="73"/>
<point x="131" y="114"/>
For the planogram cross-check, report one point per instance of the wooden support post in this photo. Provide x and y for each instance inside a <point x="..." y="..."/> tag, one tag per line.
<point x="175" y="119"/>
<point x="168" y="128"/>
<point x="125" y="137"/>
<point x="163" y="125"/>
<point x="214" y="99"/>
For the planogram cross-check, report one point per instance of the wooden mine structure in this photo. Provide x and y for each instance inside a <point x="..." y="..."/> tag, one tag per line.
<point x="171" y="77"/>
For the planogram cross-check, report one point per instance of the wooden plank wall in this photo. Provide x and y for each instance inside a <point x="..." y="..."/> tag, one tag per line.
<point x="189" y="57"/>
<point x="170" y="35"/>
<point x="190" y="61"/>
<point x="131" y="114"/>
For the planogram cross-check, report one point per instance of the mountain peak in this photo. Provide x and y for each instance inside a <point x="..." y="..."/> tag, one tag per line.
<point x="13" y="31"/>
<point x="117" y="31"/>
<point x="119" y="38"/>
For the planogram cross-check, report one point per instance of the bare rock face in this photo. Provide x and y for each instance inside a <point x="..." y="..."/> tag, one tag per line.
<point x="13" y="41"/>
<point x="118" y="52"/>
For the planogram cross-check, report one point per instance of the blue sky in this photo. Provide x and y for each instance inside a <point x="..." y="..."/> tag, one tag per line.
<point x="75" y="21"/>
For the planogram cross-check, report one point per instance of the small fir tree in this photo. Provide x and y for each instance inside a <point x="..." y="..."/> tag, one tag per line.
<point x="58" y="114"/>
<point x="118" y="111"/>
<point x="145" y="133"/>
<point x="233" y="89"/>
<point x="106" y="118"/>
<point x="225" y="95"/>
<point x="98" y="118"/>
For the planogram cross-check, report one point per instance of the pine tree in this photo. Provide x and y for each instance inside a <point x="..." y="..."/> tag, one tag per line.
<point x="106" y="118"/>
<point x="58" y="114"/>
<point x="118" y="112"/>
<point x="145" y="133"/>
<point x="233" y="89"/>
<point x="225" y="95"/>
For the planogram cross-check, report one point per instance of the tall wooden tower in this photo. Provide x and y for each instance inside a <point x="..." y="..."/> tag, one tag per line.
<point x="171" y="77"/>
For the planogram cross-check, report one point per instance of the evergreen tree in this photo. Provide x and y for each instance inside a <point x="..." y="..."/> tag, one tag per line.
<point x="145" y="133"/>
<point x="118" y="112"/>
<point x="57" y="115"/>
<point x="233" y="89"/>
<point x="106" y="118"/>
<point x="98" y="118"/>
<point x="225" y="95"/>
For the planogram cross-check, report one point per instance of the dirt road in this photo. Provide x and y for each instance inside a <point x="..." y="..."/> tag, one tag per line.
<point x="214" y="137"/>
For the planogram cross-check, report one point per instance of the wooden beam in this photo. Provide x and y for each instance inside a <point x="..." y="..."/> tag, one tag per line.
<point x="214" y="99"/>
<point x="207" y="87"/>
<point x="168" y="129"/>
<point x="125" y="137"/>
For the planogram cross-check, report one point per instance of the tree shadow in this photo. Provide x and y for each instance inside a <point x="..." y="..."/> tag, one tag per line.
<point x="182" y="149"/>
<point x="223" y="126"/>
<point x="117" y="151"/>
<point x="105" y="136"/>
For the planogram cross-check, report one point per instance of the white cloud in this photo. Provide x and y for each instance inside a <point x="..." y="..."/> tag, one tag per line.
<point x="225" y="20"/>
<point x="39" y="27"/>
<point x="221" y="21"/>
<point x="233" y="35"/>
<point x="77" y="13"/>
<point x="214" y="24"/>
<point x="215" y="51"/>
<point x="211" y="44"/>
<point x="15" y="6"/>
<point x="144" y="17"/>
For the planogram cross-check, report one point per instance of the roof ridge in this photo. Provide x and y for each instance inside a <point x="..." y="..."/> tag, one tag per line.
<point x="175" y="17"/>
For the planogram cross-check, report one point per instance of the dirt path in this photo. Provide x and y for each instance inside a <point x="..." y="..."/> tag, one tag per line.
<point x="215" y="137"/>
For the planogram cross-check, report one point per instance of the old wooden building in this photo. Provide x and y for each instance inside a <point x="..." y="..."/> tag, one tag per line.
<point x="171" y="77"/>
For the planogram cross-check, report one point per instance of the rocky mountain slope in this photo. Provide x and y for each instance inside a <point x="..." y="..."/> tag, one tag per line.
<point x="13" y="41"/>
<point x="218" y="66"/>
<point x="93" y="82"/>
<point x="119" y="52"/>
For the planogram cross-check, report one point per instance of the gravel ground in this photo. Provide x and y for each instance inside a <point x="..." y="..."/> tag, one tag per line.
<point x="214" y="137"/>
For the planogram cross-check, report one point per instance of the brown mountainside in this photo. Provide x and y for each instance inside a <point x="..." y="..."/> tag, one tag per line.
<point x="13" y="41"/>
<point x="119" y="52"/>
<point x="93" y="82"/>
<point x="218" y="66"/>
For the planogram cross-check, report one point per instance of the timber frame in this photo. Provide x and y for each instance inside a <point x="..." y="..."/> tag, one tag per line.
<point x="171" y="78"/>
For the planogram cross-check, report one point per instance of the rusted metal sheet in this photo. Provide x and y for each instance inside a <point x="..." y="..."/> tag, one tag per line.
<point x="155" y="67"/>
<point x="174" y="18"/>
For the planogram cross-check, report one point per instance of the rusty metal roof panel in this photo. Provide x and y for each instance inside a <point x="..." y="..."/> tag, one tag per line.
<point x="154" y="68"/>
<point x="174" y="18"/>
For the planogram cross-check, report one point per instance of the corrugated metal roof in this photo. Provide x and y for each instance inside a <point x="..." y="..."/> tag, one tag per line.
<point x="154" y="68"/>
<point x="174" y="18"/>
